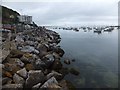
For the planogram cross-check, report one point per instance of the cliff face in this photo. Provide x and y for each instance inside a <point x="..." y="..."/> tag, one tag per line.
<point x="9" y="16"/>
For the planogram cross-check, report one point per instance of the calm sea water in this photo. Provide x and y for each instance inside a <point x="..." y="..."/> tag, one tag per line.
<point x="96" y="57"/>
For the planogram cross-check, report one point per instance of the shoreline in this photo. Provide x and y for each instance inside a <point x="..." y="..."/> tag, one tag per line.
<point x="34" y="61"/>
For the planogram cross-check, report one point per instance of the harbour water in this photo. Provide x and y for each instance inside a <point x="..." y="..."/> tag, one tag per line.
<point x="96" y="57"/>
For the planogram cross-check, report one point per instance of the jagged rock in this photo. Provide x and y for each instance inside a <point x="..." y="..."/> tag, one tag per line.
<point x="6" y="80"/>
<point x="39" y="64"/>
<point x="49" y="83"/>
<point x="13" y="68"/>
<point x="18" y="80"/>
<point x="57" y="65"/>
<point x="12" y="87"/>
<point x="30" y="49"/>
<point x="36" y="86"/>
<point x="34" y="77"/>
<point x="26" y="58"/>
<point x="22" y="73"/>
<point x="67" y="61"/>
<point x="45" y="58"/>
<point x="16" y="61"/>
<point x="29" y="67"/>
<point x="54" y="74"/>
<point x="74" y="71"/>
<point x="5" y="53"/>
<point x="49" y="59"/>
<point x="16" y="53"/>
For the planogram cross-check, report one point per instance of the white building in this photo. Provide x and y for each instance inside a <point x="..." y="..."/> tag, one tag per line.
<point x="25" y="18"/>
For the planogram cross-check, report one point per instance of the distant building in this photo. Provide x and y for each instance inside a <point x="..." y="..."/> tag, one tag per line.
<point x="25" y="18"/>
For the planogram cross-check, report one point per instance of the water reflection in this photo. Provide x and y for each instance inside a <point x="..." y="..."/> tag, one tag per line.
<point x="95" y="54"/>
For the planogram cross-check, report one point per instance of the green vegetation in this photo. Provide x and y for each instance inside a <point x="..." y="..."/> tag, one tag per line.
<point x="9" y="16"/>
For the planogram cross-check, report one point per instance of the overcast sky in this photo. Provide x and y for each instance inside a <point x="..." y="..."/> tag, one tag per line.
<point x="64" y="12"/>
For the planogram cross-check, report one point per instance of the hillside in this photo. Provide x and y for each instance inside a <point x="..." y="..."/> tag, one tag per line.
<point x="9" y="16"/>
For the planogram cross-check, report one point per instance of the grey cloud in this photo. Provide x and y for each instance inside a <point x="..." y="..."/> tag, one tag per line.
<point x="52" y="13"/>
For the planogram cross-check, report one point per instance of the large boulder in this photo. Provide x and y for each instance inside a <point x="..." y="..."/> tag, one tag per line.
<point x="34" y="77"/>
<point x="18" y="80"/>
<point x="16" y="53"/>
<point x="30" y="49"/>
<point x="27" y="58"/>
<point x="16" y="61"/>
<point x="50" y="83"/>
<point x="48" y="60"/>
<point x="39" y="64"/>
<point x="4" y="54"/>
<point x="13" y="68"/>
<point x="22" y="73"/>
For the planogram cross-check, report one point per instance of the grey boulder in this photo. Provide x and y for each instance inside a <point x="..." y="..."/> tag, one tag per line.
<point x="22" y="73"/>
<point x="49" y="83"/>
<point x="34" y="77"/>
<point x="39" y="64"/>
<point x="18" y="80"/>
<point x="30" y="49"/>
<point x="49" y="59"/>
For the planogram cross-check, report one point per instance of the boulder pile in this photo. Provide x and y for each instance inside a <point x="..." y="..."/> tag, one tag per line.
<point x="35" y="62"/>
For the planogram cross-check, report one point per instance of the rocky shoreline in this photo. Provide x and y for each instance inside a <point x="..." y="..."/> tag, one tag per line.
<point x="34" y="62"/>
